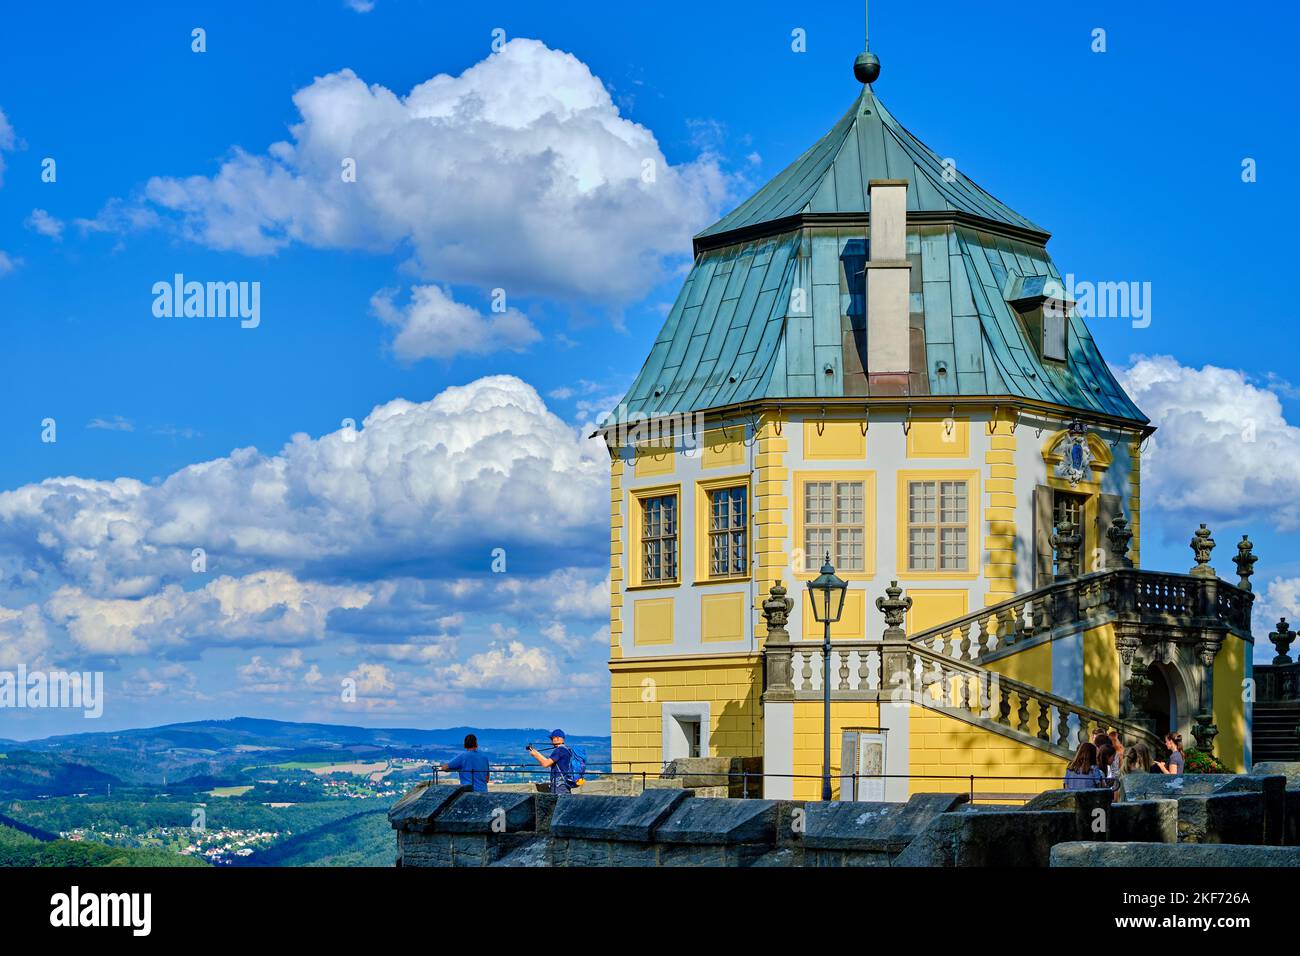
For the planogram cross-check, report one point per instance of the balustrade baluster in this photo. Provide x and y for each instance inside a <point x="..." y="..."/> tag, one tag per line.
<point x="1022" y="713"/>
<point x="1043" y="719"/>
<point x="1004" y="706"/>
<point x="844" y="669"/>
<point x="807" y="670"/>
<point x="1063" y="727"/>
<point x="983" y="646"/>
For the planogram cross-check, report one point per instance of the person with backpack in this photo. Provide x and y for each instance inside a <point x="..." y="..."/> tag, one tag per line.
<point x="566" y="763"/>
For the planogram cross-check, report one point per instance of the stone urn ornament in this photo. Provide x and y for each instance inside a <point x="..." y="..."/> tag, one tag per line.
<point x="1202" y="544"/>
<point x="895" y="607"/>
<point x="1119" y="535"/>
<point x="776" y="612"/>
<point x="1245" y="562"/>
<point x="1282" y="639"/>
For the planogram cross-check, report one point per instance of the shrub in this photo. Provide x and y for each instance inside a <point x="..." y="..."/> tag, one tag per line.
<point x="1198" y="761"/>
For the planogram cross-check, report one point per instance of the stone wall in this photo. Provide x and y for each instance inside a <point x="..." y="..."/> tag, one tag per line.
<point x="673" y="826"/>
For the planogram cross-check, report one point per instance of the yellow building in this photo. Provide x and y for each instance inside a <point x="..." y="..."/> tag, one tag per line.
<point x="874" y="359"/>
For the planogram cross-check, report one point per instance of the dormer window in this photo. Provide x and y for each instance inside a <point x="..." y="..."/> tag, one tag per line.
<point x="1056" y="316"/>
<point x="1045" y="314"/>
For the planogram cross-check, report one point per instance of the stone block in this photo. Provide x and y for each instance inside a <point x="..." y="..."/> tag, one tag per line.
<point x="1144" y="821"/>
<point x="698" y="771"/>
<point x="419" y="805"/>
<point x="494" y="813"/>
<point x="533" y="852"/>
<point x="873" y="827"/>
<point x="1279" y="768"/>
<point x="1168" y="855"/>
<point x="615" y="818"/>
<point x="846" y="858"/>
<point x="1091" y="809"/>
<point x="998" y="838"/>
<point x="1236" y="818"/>
<point x="1012" y="838"/>
<point x="722" y="822"/>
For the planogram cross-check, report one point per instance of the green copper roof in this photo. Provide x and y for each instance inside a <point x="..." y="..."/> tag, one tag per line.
<point x="736" y="334"/>
<point x="832" y="176"/>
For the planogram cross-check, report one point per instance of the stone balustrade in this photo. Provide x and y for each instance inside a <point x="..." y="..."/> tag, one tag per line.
<point x="940" y="680"/>
<point x="1128" y="596"/>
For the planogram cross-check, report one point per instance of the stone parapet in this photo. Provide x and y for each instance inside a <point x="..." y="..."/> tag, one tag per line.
<point x="451" y="826"/>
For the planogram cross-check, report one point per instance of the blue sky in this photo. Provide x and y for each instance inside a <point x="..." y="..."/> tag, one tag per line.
<point x="381" y="290"/>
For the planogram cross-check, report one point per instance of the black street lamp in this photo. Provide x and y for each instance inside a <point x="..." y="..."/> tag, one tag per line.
<point x="827" y="594"/>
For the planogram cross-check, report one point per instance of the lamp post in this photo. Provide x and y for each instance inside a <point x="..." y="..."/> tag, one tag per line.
<point x="826" y="592"/>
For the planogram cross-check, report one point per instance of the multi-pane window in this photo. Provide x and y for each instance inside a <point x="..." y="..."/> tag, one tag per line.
<point x="937" y="526"/>
<point x="728" y="532"/>
<point x="1067" y="507"/>
<point x="659" y="539"/>
<point x="834" y="523"/>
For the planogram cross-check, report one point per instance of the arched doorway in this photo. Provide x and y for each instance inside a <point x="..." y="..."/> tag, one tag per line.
<point x="1167" y="701"/>
<point x="1160" y="699"/>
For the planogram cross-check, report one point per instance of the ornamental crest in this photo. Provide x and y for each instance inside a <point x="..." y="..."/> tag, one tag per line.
<point x="1075" y="456"/>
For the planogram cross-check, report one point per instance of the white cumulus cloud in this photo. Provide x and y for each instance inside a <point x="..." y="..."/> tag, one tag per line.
<point x="42" y="222"/>
<point x="518" y="173"/>
<point x="477" y="466"/>
<point x="434" y="325"/>
<point x="264" y="608"/>
<point x="1224" y="450"/>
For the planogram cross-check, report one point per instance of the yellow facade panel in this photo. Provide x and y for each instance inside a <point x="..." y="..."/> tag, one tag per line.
<point x="939" y="438"/>
<point x="724" y="447"/>
<point x="652" y="621"/>
<point x="834" y="441"/>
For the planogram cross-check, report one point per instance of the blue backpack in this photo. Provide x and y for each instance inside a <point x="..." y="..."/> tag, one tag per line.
<point x="577" y="765"/>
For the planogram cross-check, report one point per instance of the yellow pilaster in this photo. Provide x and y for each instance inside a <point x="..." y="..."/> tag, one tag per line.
<point x="616" y="558"/>
<point x="1000" y="514"/>
<point x="771" y="534"/>
<point x="1134" y="501"/>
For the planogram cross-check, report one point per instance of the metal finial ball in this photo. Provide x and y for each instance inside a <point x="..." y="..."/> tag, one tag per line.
<point x="866" y="67"/>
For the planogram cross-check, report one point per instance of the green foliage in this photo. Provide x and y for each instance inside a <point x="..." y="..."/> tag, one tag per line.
<point x="363" y="839"/>
<point x="19" y="849"/>
<point x="1198" y="761"/>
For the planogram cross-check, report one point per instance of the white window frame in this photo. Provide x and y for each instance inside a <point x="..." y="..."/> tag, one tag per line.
<point x="674" y="744"/>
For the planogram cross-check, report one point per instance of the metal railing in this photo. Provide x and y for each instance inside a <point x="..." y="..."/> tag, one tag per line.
<point x="750" y="783"/>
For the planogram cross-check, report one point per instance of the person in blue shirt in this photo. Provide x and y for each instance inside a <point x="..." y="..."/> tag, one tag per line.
<point x="559" y="760"/>
<point x="472" y="766"/>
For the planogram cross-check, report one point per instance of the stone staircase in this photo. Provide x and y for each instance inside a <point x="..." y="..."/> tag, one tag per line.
<point x="1274" y="734"/>
<point x="903" y="670"/>
<point x="945" y="667"/>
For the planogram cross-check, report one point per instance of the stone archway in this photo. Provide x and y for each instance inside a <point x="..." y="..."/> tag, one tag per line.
<point x="1169" y="703"/>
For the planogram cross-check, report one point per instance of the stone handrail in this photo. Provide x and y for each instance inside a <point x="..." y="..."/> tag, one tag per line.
<point x="1128" y="595"/>
<point x="1277" y="683"/>
<point x="905" y="671"/>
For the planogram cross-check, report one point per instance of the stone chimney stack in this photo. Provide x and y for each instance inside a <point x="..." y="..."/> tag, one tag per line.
<point x="888" y="285"/>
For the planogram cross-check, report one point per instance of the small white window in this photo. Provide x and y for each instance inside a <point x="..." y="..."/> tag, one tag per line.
<point x="1055" y="316"/>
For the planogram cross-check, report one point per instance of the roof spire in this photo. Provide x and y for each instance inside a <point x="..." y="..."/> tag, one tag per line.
<point x="867" y="66"/>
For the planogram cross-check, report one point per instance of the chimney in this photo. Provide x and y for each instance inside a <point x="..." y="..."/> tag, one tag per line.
<point x="888" y="282"/>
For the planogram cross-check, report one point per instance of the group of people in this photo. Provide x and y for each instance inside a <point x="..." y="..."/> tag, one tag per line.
<point x="1102" y="761"/>
<point x="472" y="764"/>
